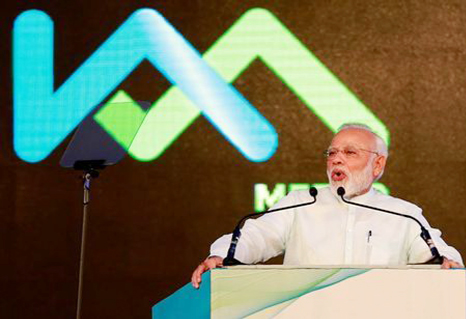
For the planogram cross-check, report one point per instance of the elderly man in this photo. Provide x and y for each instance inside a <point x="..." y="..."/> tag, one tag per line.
<point x="331" y="232"/>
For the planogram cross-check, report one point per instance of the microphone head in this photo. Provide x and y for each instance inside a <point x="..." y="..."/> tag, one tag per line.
<point x="341" y="191"/>
<point x="313" y="191"/>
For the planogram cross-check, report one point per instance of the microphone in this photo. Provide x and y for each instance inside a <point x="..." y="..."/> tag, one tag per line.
<point x="436" y="259"/>
<point x="230" y="258"/>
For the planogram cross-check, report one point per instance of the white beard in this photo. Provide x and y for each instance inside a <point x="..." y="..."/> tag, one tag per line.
<point x="354" y="183"/>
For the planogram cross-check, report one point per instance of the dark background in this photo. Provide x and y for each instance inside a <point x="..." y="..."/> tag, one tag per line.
<point x="151" y="223"/>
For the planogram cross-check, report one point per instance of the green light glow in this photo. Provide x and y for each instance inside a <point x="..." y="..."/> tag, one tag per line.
<point x="121" y="118"/>
<point x="257" y="34"/>
<point x="264" y="199"/>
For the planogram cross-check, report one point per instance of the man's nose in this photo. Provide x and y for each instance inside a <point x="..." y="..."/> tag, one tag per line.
<point x="338" y="158"/>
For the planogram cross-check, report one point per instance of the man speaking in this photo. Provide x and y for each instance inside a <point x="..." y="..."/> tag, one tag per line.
<point x="331" y="232"/>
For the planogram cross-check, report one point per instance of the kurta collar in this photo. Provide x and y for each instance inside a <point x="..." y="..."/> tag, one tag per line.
<point x="364" y="198"/>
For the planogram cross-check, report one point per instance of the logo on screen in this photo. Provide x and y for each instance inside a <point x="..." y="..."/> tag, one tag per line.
<point x="201" y="84"/>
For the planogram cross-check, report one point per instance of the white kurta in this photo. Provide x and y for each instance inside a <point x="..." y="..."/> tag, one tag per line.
<point x="331" y="232"/>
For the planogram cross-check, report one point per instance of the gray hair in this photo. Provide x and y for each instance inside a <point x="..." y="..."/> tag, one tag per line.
<point x="380" y="145"/>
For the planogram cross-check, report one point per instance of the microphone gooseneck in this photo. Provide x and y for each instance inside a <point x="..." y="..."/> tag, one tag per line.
<point x="425" y="235"/>
<point x="230" y="258"/>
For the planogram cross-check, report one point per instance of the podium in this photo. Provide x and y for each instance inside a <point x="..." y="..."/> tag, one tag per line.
<point x="321" y="292"/>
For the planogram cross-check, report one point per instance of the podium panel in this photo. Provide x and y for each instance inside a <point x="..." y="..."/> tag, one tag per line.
<point x="324" y="292"/>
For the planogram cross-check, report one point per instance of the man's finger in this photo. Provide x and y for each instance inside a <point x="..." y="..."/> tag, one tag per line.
<point x="196" y="277"/>
<point x="209" y="263"/>
<point x="447" y="264"/>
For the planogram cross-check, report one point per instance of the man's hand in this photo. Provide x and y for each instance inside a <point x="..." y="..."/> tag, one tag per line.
<point x="208" y="264"/>
<point x="448" y="263"/>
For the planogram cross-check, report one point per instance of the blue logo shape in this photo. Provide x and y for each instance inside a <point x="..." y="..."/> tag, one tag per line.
<point x="43" y="118"/>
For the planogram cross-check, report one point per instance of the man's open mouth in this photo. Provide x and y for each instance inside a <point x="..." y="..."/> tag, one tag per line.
<point x="338" y="175"/>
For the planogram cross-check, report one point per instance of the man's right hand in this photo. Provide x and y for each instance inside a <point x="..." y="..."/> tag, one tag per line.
<point x="208" y="264"/>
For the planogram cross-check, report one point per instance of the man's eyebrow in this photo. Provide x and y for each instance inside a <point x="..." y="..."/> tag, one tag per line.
<point x="346" y="146"/>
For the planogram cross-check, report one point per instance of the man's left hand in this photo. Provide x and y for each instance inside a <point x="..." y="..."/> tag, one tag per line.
<point x="448" y="263"/>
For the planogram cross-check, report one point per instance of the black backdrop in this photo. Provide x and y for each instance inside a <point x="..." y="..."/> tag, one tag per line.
<point x="151" y="223"/>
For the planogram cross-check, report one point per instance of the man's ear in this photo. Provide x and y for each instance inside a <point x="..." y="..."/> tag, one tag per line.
<point x="379" y="165"/>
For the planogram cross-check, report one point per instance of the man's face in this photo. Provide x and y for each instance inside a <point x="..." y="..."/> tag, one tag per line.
<point x="353" y="164"/>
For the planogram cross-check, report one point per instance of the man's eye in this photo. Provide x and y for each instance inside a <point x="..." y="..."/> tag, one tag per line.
<point x="332" y="153"/>
<point x="350" y="152"/>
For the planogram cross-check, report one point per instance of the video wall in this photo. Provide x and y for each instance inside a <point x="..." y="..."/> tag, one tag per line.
<point x="217" y="110"/>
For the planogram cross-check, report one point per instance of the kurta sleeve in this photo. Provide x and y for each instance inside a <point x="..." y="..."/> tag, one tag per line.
<point x="419" y="252"/>
<point x="261" y="238"/>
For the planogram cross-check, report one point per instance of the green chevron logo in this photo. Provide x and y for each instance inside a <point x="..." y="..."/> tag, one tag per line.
<point x="258" y="34"/>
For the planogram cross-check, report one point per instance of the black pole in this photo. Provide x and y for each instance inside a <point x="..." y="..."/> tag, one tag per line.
<point x="87" y="177"/>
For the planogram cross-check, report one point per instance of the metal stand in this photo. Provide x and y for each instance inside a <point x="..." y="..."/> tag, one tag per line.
<point x="89" y="150"/>
<point x="89" y="173"/>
